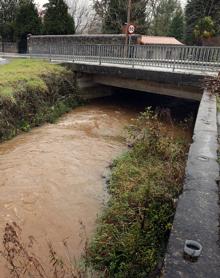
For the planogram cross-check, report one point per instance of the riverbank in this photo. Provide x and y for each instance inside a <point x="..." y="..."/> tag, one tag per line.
<point x="33" y="92"/>
<point x="133" y="231"/>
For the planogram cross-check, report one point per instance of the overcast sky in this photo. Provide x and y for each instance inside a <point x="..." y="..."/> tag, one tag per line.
<point x="41" y="2"/>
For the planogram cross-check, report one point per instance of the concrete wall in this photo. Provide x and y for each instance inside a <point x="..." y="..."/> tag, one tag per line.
<point x="9" y="47"/>
<point x="197" y="214"/>
<point x="41" y="44"/>
<point x="63" y="44"/>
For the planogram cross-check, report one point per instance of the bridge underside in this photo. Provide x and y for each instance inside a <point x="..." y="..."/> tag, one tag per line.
<point x="181" y="85"/>
<point x="148" y="87"/>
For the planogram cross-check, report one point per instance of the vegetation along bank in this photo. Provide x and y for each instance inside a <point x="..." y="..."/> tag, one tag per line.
<point x="33" y="92"/>
<point x="133" y="230"/>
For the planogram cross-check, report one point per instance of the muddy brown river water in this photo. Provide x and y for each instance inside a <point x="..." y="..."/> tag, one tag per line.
<point x="51" y="178"/>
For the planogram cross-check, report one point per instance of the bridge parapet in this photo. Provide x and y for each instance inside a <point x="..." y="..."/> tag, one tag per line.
<point x="164" y="56"/>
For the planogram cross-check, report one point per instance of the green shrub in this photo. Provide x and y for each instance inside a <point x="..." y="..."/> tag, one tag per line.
<point x="132" y="233"/>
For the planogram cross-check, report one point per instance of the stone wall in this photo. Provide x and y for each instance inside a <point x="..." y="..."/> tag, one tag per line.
<point x="9" y="47"/>
<point x="64" y="43"/>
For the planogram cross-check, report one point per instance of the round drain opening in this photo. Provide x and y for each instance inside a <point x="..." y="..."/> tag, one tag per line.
<point x="192" y="248"/>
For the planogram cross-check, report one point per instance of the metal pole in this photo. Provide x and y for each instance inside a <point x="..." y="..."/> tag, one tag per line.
<point x="50" y="58"/>
<point x="73" y="54"/>
<point x="133" y="56"/>
<point x="129" y="47"/>
<point x="100" y="57"/>
<point x="174" y="62"/>
<point x="128" y="20"/>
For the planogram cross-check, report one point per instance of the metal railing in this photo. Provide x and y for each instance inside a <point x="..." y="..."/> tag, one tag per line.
<point x="173" y="57"/>
<point x="182" y="57"/>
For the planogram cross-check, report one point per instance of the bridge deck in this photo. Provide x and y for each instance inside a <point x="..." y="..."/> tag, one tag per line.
<point x="161" y="66"/>
<point x="145" y="67"/>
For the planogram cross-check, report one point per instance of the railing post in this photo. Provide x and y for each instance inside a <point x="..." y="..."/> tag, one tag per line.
<point x="50" y="49"/>
<point x="50" y="53"/>
<point x="100" y="56"/>
<point x="174" y="62"/>
<point x="29" y="45"/>
<point x="133" y="55"/>
<point x="30" y="51"/>
<point x="129" y="53"/>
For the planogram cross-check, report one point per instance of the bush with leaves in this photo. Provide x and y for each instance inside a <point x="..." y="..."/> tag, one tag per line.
<point x="132" y="233"/>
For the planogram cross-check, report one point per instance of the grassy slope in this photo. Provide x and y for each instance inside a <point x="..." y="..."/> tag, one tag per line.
<point x="33" y="92"/>
<point x="132" y="233"/>
<point x="22" y="73"/>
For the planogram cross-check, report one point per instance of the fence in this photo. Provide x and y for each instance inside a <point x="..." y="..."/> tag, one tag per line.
<point x="182" y="57"/>
<point x="174" y="57"/>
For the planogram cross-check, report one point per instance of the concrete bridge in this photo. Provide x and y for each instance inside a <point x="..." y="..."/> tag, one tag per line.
<point x="175" y="71"/>
<point x="168" y="70"/>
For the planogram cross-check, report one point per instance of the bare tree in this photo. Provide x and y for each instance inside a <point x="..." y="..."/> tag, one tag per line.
<point x="82" y="13"/>
<point x="101" y="8"/>
<point x="95" y="26"/>
<point x="90" y="14"/>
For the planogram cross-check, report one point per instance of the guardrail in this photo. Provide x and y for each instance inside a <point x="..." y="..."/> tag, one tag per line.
<point x="174" y="57"/>
<point x="189" y="57"/>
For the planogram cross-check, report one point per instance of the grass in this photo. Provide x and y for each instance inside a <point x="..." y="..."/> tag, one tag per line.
<point x="133" y="230"/>
<point x="22" y="73"/>
<point x="33" y="92"/>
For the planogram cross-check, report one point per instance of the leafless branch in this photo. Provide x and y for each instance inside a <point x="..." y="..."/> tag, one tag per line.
<point x="82" y="14"/>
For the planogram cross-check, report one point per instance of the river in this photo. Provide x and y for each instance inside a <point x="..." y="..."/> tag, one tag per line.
<point x="51" y="177"/>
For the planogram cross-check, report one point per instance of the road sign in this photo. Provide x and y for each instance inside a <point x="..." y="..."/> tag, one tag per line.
<point x="131" y="29"/>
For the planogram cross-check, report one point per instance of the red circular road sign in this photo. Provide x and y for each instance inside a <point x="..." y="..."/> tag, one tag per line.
<point x="131" y="29"/>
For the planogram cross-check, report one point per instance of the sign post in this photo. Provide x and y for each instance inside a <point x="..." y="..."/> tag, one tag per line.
<point x="130" y="31"/>
<point x="128" y="22"/>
